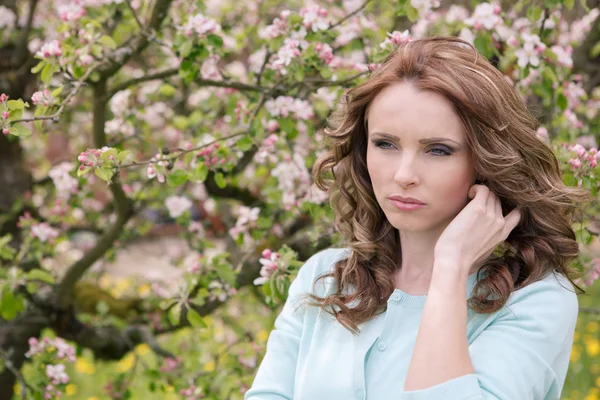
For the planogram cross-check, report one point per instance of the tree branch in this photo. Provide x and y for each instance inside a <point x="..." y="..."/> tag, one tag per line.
<point x="158" y="75"/>
<point x="350" y="15"/>
<point x="22" y="50"/>
<point x="123" y="208"/>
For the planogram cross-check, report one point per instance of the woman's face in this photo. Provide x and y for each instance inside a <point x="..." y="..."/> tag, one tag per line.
<point x="436" y="172"/>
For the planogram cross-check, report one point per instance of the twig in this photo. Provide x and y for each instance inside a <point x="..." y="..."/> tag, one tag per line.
<point x="543" y="22"/>
<point x="158" y="75"/>
<point x="76" y="88"/>
<point x="353" y="13"/>
<point x="9" y="364"/>
<point x="180" y="152"/>
<point x="137" y="20"/>
<point x="22" y="49"/>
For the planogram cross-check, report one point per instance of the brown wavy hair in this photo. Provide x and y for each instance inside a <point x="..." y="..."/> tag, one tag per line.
<point x="508" y="157"/>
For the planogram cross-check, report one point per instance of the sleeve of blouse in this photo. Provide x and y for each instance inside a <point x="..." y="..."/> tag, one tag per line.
<point x="517" y="355"/>
<point x="274" y="379"/>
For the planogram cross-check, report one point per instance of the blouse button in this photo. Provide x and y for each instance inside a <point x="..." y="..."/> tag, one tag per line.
<point x="396" y="297"/>
<point x="359" y="394"/>
<point x="382" y="346"/>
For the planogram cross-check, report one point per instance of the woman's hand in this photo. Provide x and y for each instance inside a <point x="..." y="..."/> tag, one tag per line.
<point x="476" y="231"/>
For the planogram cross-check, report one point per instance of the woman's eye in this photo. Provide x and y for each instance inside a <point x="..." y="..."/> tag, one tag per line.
<point x="382" y="144"/>
<point x="444" y="151"/>
<point x="439" y="151"/>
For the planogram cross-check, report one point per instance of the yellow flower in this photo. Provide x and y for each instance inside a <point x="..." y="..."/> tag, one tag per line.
<point x="576" y="336"/>
<point x="575" y="353"/>
<point x="126" y="363"/>
<point x="594" y="369"/>
<point x="592" y="346"/>
<point x="210" y="366"/>
<point x="105" y="281"/>
<point x="144" y="290"/>
<point x="592" y="326"/>
<point x="598" y="381"/>
<point x="262" y="336"/>
<point x="142" y="349"/>
<point x="83" y="366"/>
<point x="93" y="398"/>
<point x="17" y="389"/>
<point x="71" y="389"/>
<point x="169" y="388"/>
<point x="592" y="394"/>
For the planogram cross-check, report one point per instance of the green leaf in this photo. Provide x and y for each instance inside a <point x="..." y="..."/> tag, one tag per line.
<point x="38" y="67"/>
<point x="41" y="275"/>
<point x="562" y="101"/>
<point x="195" y="319"/>
<point x="226" y="273"/>
<point x="534" y="13"/>
<point x="15" y="104"/>
<point x="47" y="73"/>
<point x="56" y="92"/>
<point x="9" y="306"/>
<point x="569" y="4"/>
<point x="15" y="115"/>
<point x="595" y="51"/>
<point x="299" y="74"/>
<point x="186" y="48"/>
<point x="482" y="44"/>
<point x="220" y="180"/>
<point x="82" y="171"/>
<point x="122" y="156"/>
<point x="264" y="223"/>
<point x="104" y="173"/>
<point x="174" y="314"/>
<point x="200" y="173"/>
<point x="215" y="40"/>
<point x="20" y="130"/>
<point x="177" y="178"/>
<point x="245" y="143"/>
<point x="108" y="42"/>
<point x="167" y="90"/>
<point x="585" y="6"/>
<point x="326" y="72"/>
<point x="412" y="13"/>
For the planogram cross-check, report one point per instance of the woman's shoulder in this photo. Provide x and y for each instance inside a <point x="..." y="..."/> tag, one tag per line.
<point x="553" y="295"/>
<point x="321" y="263"/>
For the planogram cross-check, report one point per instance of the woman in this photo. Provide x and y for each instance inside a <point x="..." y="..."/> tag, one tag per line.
<point x="456" y="281"/>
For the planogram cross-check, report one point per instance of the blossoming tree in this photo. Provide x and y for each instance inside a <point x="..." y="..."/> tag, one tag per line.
<point x="210" y="113"/>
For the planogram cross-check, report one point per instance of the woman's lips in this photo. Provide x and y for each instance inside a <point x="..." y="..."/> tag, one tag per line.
<point x="406" y="206"/>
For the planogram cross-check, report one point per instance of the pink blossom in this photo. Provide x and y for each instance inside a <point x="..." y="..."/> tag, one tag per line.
<point x="325" y="52"/>
<point x="44" y="232"/>
<point x="529" y="53"/>
<point x="277" y="28"/>
<point x="270" y="264"/>
<point x="3" y="98"/>
<point x="314" y="18"/>
<point x="396" y="38"/>
<point x="50" y="49"/>
<point x="485" y="16"/>
<point x="201" y="25"/>
<point x="57" y="373"/>
<point x="70" y="11"/>
<point x="43" y="97"/>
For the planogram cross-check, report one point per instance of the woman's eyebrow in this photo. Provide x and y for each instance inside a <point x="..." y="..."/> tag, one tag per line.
<point x="423" y="141"/>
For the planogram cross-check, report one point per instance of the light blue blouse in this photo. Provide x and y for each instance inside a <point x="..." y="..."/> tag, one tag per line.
<point x="520" y="352"/>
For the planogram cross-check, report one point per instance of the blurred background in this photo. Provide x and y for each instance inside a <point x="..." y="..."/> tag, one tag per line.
<point x="156" y="198"/>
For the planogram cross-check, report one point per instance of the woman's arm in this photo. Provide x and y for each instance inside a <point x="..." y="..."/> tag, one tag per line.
<point x="275" y="377"/>
<point x="523" y="354"/>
